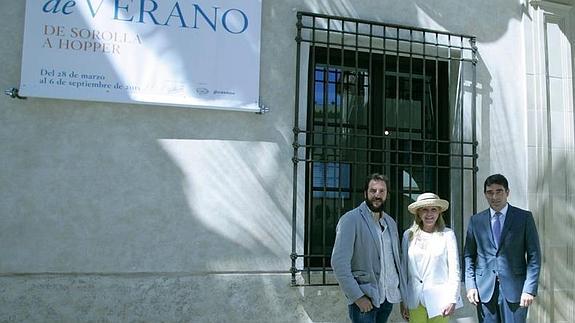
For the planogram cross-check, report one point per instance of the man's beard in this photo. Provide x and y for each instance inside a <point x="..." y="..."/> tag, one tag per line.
<point x="372" y="207"/>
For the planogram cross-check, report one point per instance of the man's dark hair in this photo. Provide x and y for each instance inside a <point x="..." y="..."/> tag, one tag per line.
<point x="376" y="177"/>
<point x="496" y="179"/>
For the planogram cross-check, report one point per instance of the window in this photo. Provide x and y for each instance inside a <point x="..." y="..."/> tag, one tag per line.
<point x="330" y="180"/>
<point x="380" y="98"/>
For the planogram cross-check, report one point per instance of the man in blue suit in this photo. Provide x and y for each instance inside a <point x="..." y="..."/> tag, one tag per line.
<point x="502" y="257"/>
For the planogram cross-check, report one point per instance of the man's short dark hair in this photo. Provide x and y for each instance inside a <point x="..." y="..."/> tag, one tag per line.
<point x="496" y="179"/>
<point x="376" y="177"/>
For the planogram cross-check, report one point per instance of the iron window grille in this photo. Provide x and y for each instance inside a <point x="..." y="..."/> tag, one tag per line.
<point x="373" y="97"/>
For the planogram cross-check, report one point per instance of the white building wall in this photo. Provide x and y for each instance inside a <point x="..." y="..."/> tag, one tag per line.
<point x="551" y="153"/>
<point x="117" y="212"/>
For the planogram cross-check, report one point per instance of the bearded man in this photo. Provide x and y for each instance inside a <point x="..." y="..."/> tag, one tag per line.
<point x="365" y="257"/>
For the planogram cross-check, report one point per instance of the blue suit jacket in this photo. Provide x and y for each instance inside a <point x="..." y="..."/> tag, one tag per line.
<point x="517" y="261"/>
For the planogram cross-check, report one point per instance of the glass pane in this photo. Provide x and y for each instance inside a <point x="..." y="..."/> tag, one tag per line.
<point x="331" y="180"/>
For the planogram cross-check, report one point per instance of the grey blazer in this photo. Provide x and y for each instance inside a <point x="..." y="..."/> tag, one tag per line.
<point x="356" y="254"/>
<point x="517" y="261"/>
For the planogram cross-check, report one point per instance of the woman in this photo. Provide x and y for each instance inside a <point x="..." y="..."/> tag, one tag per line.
<point x="432" y="263"/>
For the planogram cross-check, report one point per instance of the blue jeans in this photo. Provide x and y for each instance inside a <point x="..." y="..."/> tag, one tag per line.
<point x="376" y="315"/>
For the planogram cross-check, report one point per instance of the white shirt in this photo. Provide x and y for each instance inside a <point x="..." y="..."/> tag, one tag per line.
<point x="389" y="278"/>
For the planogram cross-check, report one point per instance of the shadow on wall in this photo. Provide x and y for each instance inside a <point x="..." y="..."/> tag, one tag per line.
<point x="99" y="187"/>
<point x="484" y="113"/>
<point x="555" y="219"/>
<point x="460" y="17"/>
<point x="101" y="192"/>
<point x="472" y="14"/>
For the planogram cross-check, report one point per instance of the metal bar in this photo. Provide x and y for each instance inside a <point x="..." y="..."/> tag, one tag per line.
<point x="402" y="165"/>
<point x="385" y="158"/>
<point x="340" y="137"/>
<point x="424" y="101"/>
<point x="410" y="113"/>
<point x="369" y="94"/>
<point x="398" y="177"/>
<point x="383" y="38"/>
<point x="326" y="88"/>
<point x="406" y="53"/>
<point x="460" y="105"/>
<point x="436" y="106"/>
<point x="393" y="151"/>
<point x="461" y="144"/>
<point x="379" y="137"/>
<point x="293" y="255"/>
<point x="309" y="151"/>
<point x="473" y="119"/>
<point x="312" y="14"/>
<point x="355" y="128"/>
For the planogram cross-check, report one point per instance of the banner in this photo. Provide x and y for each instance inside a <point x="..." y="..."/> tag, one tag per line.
<point x="183" y="53"/>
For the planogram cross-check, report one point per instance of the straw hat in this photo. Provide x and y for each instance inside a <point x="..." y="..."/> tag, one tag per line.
<point x="428" y="199"/>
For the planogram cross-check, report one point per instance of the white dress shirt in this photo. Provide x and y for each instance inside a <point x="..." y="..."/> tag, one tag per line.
<point x="389" y="278"/>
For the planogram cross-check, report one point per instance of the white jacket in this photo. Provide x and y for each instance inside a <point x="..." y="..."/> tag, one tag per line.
<point x="432" y="264"/>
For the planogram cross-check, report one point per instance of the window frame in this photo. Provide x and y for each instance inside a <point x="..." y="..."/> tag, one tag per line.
<point x="316" y="31"/>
